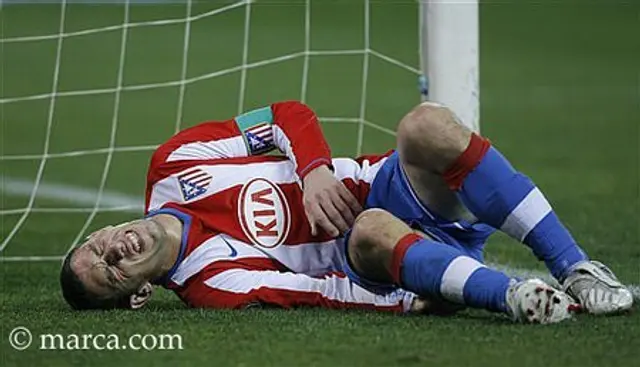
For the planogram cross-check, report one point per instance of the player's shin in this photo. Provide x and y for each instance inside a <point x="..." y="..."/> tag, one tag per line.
<point x="436" y="270"/>
<point x="500" y="196"/>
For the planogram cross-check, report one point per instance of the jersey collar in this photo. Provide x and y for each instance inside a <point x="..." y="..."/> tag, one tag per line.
<point x="186" y="226"/>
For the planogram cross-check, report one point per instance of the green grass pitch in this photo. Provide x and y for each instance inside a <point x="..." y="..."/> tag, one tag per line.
<point x="560" y="97"/>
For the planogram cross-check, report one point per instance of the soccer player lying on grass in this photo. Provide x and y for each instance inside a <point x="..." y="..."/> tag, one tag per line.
<point x="228" y="227"/>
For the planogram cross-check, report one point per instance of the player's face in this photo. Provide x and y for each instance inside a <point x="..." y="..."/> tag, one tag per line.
<point x="117" y="261"/>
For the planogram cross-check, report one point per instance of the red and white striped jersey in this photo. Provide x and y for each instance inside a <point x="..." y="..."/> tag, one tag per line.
<point x="247" y="239"/>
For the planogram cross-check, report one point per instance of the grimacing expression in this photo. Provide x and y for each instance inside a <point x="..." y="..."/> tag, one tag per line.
<point x="117" y="261"/>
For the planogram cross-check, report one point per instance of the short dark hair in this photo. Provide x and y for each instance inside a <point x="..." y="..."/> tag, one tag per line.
<point x="77" y="295"/>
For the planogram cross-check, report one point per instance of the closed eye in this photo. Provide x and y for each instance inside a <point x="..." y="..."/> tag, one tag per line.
<point x="107" y="278"/>
<point x="98" y="250"/>
<point x="111" y="277"/>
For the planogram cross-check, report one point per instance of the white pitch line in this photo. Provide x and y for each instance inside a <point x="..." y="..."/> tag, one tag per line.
<point x="71" y="194"/>
<point x="128" y="203"/>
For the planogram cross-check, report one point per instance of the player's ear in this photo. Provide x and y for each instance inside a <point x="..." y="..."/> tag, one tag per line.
<point x="142" y="296"/>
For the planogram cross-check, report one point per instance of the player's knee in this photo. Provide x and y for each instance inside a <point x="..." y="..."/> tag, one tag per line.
<point x="373" y="237"/>
<point x="365" y="244"/>
<point x="432" y="137"/>
<point x="364" y="237"/>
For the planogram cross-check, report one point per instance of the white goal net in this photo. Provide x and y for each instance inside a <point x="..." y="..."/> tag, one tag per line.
<point x="88" y="91"/>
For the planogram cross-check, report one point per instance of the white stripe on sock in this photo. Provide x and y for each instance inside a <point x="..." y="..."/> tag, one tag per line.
<point x="526" y="216"/>
<point x="456" y="276"/>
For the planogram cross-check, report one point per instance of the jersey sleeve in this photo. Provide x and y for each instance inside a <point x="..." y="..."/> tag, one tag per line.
<point x="239" y="288"/>
<point x="290" y="126"/>
<point x="298" y="134"/>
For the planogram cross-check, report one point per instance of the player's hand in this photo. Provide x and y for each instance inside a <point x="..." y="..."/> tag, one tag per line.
<point x="329" y="205"/>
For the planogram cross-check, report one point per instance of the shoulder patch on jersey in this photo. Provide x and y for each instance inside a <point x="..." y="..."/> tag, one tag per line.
<point x="193" y="183"/>
<point x="264" y="213"/>
<point x="257" y="131"/>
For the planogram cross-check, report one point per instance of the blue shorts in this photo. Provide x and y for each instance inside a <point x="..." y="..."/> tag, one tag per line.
<point x="391" y="191"/>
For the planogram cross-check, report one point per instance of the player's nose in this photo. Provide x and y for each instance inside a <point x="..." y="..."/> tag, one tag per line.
<point x="114" y="252"/>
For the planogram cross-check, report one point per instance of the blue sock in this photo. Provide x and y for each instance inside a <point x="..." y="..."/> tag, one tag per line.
<point x="431" y="269"/>
<point x="502" y="197"/>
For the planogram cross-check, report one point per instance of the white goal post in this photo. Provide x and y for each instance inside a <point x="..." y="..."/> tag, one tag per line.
<point x="449" y="45"/>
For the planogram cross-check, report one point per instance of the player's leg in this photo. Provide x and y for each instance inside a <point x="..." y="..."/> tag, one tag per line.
<point x="436" y="150"/>
<point x="384" y="249"/>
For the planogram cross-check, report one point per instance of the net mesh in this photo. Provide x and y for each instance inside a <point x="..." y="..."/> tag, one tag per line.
<point x="74" y="157"/>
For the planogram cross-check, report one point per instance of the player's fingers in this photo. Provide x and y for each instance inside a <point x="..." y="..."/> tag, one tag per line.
<point x="343" y="208"/>
<point x="310" y="217"/>
<point x="334" y="217"/>
<point x="324" y="222"/>
<point x="350" y="199"/>
<point x="312" y="223"/>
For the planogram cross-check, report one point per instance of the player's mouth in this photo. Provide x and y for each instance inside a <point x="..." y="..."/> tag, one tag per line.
<point x="134" y="244"/>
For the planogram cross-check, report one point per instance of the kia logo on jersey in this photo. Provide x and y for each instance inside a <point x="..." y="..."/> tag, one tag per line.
<point x="264" y="213"/>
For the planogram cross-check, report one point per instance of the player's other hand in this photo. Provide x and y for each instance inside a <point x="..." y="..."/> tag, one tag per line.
<point x="329" y="205"/>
